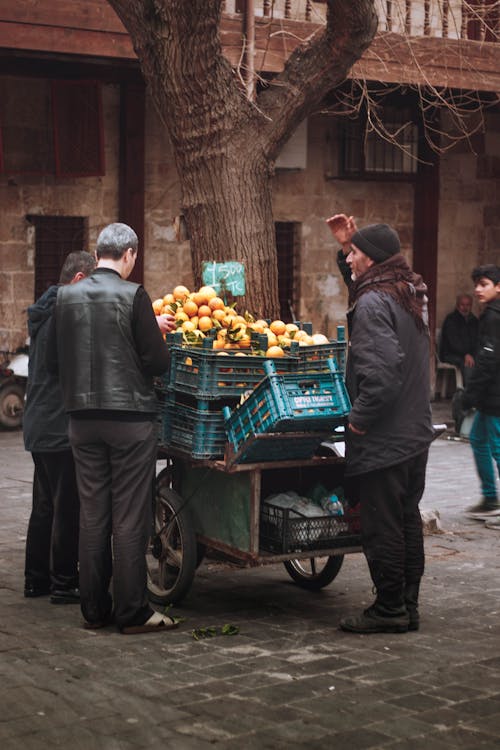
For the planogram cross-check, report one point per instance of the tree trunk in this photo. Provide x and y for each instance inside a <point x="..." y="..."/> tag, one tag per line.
<point x="225" y="145"/>
<point x="228" y="209"/>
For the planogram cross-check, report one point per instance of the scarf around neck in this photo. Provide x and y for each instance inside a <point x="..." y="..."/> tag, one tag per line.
<point x="395" y="278"/>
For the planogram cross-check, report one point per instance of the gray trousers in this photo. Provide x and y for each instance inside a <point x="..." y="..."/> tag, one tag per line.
<point x="115" y="465"/>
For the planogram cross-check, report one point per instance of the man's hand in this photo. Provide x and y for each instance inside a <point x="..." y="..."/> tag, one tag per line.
<point x="469" y="360"/>
<point x="342" y="227"/>
<point x="355" y="430"/>
<point x="166" y="323"/>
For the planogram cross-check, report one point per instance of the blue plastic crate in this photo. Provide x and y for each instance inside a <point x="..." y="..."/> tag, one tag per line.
<point x="212" y="374"/>
<point x="295" y="402"/>
<point x="197" y="431"/>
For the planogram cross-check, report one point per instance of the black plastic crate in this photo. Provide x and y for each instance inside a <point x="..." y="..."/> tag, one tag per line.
<point x="284" y="531"/>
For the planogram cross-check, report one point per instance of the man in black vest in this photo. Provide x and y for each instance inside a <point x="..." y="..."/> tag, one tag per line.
<point x="107" y="346"/>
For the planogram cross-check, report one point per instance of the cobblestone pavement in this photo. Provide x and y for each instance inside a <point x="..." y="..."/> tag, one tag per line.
<point x="290" y="678"/>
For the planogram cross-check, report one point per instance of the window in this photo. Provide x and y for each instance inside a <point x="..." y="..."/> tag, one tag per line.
<point x="50" y="127"/>
<point x="55" y="238"/>
<point x="364" y="152"/>
<point x="78" y="134"/>
<point x="288" y="249"/>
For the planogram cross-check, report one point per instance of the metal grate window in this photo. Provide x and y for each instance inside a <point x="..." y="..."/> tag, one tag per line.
<point x="366" y="152"/>
<point x="55" y="238"/>
<point x="288" y="250"/>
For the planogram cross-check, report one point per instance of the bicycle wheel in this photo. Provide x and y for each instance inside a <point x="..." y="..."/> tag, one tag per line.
<point x="172" y="551"/>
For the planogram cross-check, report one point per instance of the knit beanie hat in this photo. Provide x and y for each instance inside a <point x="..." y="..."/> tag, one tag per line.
<point x="378" y="241"/>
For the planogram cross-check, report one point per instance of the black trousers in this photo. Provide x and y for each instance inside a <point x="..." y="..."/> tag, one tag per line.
<point x="52" y="539"/>
<point x="391" y="526"/>
<point x="115" y="463"/>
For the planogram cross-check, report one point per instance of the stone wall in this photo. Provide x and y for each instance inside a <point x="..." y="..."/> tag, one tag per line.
<point x="22" y="195"/>
<point x="469" y="216"/>
<point x="469" y="230"/>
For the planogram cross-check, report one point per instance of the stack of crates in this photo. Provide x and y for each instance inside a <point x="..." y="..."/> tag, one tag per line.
<point x="202" y="381"/>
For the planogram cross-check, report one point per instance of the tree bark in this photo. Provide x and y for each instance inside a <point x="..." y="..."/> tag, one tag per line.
<point x="225" y="145"/>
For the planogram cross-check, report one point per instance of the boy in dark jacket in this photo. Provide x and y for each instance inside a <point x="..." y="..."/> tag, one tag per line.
<point x="483" y="393"/>
<point x="51" y="565"/>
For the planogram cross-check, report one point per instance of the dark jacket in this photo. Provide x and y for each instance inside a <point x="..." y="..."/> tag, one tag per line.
<point x="483" y="386"/>
<point x="45" y="425"/>
<point x="388" y="379"/>
<point x="388" y="382"/>
<point x="108" y="346"/>
<point x="459" y="336"/>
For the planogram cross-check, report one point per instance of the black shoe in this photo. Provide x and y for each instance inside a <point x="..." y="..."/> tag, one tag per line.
<point x="31" y="592"/>
<point x="372" y="622"/>
<point x="65" y="596"/>
<point x="108" y="619"/>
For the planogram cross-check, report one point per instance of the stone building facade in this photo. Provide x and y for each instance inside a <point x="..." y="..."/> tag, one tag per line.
<point x="469" y="217"/>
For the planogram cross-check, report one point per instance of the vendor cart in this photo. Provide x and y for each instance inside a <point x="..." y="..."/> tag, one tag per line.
<point x="214" y="488"/>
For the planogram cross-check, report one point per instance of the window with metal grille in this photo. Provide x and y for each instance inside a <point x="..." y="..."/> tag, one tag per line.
<point x="78" y="130"/>
<point x="365" y="152"/>
<point x="288" y="250"/>
<point x="55" y="238"/>
<point x="51" y="127"/>
<point x="27" y="139"/>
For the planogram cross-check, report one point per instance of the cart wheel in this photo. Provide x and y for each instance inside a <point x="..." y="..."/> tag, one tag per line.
<point x="11" y="406"/>
<point x="315" y="572"/>
<point x="201" y="551"/>
<point x="171" y="555"/>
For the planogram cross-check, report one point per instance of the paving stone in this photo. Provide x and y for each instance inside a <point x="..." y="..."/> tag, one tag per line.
<point x="290" y="679"/>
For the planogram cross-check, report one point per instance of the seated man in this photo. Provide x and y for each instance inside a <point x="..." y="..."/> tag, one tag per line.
<point x="459" y="334"/>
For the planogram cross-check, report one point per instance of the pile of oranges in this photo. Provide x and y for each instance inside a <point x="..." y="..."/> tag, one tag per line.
<point x="196" y="313"/>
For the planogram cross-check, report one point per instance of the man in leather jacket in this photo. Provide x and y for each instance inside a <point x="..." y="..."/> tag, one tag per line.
<point x="389" y="427"/>
<point x="106" y="345"/>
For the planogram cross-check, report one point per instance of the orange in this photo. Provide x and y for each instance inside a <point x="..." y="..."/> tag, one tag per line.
<point x="181" y="292"/>
<point x="205" y="323"/>
<point x="168" y="299"/>
<point x="216" y="303"/>
<point x="208" y="291"/>
<point x="278" y="327"/>
<point x="259" y="326"/>
<point x="181" y="315"/>
<point x="158" y="306"/>
<point x="204" y="310"/>
<point x="190" y="307"/>
<point x="188" y="326"/>
<point x="291" y="328"/>
<point x="275" y="351"/>
<point x="218" y="344"/>
<point x="272" y="339"/>
<point x="217" y="314"/>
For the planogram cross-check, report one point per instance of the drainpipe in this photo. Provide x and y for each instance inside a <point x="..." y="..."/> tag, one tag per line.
<point x="250" y="49"/>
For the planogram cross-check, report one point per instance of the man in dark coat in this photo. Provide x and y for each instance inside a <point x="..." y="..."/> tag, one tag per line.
<point x="389" y="426"/>
<point x="51" y="565"/>
<point x="458" y="342"/>
<point x="483" y="393"/>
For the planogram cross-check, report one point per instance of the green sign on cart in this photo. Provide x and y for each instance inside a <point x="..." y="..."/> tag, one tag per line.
<point x="227" y="277"/>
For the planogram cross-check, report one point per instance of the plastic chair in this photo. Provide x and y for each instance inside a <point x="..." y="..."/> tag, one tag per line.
<point x="445" y="372"/>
